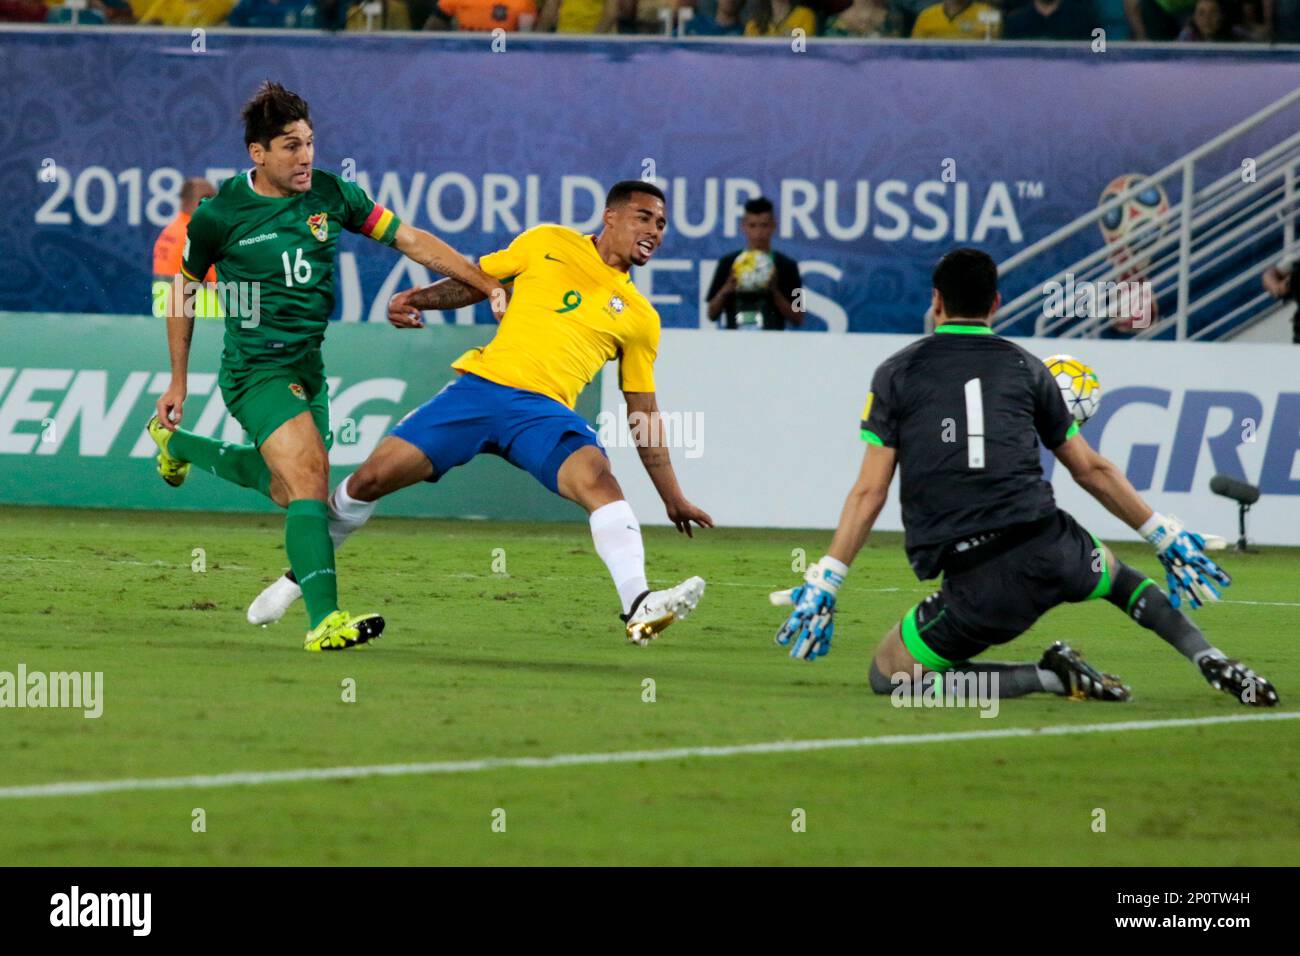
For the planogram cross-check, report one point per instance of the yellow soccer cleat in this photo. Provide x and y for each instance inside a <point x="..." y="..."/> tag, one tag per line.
<point x="173" y="470"/>
<point x="340" y="631"/>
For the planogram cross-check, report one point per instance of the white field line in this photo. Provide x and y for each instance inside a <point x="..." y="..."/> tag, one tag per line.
<point x="257" y="778"/>
<point x="478" y="575"/>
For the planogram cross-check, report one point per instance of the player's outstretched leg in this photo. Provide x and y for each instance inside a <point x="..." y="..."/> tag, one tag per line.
<point x="585" y="477"/>
<point x="905" y="653"/>
<point x="1138" y="596"/>
<point x="1079" y="680"/>
<point x="295" y="453"/>
<point x="394" y="464"/>
<point x="178" y="450"/>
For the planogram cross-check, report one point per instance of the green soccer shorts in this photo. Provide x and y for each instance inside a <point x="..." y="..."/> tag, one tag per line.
<point x="263" y="399"/>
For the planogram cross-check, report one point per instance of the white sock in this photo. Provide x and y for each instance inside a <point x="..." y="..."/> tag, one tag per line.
<point x="617" y="536"/>
<point x="347" y="514"/>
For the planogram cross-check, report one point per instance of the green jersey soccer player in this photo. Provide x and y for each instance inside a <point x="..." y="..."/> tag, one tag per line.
<point x="271" y="232"/>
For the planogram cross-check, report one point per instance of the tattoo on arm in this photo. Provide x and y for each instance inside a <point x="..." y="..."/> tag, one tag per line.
<point x="446" y="294"/>
<point x="653" y="457"/>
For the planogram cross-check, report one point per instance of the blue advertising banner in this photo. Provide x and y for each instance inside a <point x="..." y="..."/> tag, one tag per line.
<point x="879" y="156"/>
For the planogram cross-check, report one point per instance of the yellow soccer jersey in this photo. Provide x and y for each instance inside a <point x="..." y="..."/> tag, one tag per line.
<point x="932" y="23"/>
<point x="569" y="314"/>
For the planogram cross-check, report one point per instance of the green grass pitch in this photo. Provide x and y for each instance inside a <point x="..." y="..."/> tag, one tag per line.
<point x="532" y="663"/>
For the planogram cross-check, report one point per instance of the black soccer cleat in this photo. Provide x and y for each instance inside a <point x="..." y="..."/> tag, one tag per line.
<point x="1082" y="681"/>
<point x="1235" y="678"/>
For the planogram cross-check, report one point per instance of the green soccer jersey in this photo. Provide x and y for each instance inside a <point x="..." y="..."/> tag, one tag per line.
<point x="275" y="261"/>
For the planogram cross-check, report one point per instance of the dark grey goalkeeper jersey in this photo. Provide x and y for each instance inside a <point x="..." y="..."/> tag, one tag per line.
<point x="965" y="410"/>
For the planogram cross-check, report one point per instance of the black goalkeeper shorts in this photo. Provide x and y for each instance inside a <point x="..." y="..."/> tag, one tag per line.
<point x="999" y="598"/>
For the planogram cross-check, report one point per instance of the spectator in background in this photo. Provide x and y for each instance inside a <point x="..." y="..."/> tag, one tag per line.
<point x="23" y="11"/>
<point x="725" y="22"/>
<point x="170" y="245"/>
<point x="186" y="13"/>
<point x="1051" y="20"/>
<point x="482" y="15"/>
<point x="97" y="11"/>
<point x="579" y="16"/>
<point x="648" y="16"/>
<point x="1210" y="25"/>
<point x="418" y="12"/>
<point x="284" y="14"/>
<point x="755" y="286"/>
<point x="957" y="20"/>
<point x="1157" y="19"/>
<point x="866" y="18"/>
<point x="1281" y="20"/>
<point x="117" y="12"/>
<point x="780" y="18"/>
<point x="1278" y="283"/>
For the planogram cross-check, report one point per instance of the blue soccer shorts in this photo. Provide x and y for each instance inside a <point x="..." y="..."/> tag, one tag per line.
<point x="472" y="416"/>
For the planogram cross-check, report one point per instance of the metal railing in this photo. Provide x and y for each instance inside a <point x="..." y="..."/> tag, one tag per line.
<point x="1190" y="254"/>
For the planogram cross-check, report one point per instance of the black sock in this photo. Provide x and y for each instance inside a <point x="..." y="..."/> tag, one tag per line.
<point x="1138" y="596"/>
<point x="1014" y="680"/>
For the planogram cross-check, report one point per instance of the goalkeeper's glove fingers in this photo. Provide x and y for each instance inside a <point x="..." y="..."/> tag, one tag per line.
<point x="817" y="636"/>
<point x="812" y="608"/>
<point x="811" y="624"/>
<point x="814" y="639"/>
<point x="1189" y="572"/>
<point x="1195" y="580"/>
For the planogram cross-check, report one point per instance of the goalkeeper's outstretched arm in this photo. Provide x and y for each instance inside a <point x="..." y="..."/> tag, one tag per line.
<point x="1099" y="476"/>
<point x="862" y="506"/>
<point x="1189" y="573"/>
<point x="811" y="625"/>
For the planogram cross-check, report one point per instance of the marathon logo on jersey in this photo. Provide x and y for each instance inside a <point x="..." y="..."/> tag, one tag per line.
<point x="616" y="306"/>
<point x="132" y="910"/>
<point x="319" y="225"/>
<point x="251" y="240"/>
<point x="297" y="391"/>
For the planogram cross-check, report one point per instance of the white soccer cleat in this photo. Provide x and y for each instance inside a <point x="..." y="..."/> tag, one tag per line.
<point x="658" y="609"/>
<point x="269" y="606"/>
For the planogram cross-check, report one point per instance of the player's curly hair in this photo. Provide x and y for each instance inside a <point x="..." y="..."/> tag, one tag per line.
<point x="271" y="109"/>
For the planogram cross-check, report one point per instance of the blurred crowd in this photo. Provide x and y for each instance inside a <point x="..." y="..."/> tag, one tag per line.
<point x="1195" y="21"/>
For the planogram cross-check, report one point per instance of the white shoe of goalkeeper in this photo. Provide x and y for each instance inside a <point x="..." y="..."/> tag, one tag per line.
<point x="657" y="609"/>
<point x="270" y="605"/>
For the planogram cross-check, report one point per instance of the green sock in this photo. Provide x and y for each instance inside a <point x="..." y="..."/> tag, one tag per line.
<point x="241" y="464"/>
<point x="311" y="555"/>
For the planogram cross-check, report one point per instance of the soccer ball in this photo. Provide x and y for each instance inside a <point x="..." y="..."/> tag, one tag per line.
<point x="753" y="270"/>
<point x="1078" y="384"/>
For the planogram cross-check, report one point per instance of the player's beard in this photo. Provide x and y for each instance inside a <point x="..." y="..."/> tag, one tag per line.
<point x="289" y="185"/>
<point x="293" y="185"/>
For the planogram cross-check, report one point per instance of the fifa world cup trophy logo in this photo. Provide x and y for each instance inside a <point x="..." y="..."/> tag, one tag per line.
<point x="1131" y="229"/>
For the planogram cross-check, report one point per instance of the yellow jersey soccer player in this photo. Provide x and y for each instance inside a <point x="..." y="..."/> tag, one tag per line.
<point x="573" y="309"/>
<point x="271" y="233"/>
